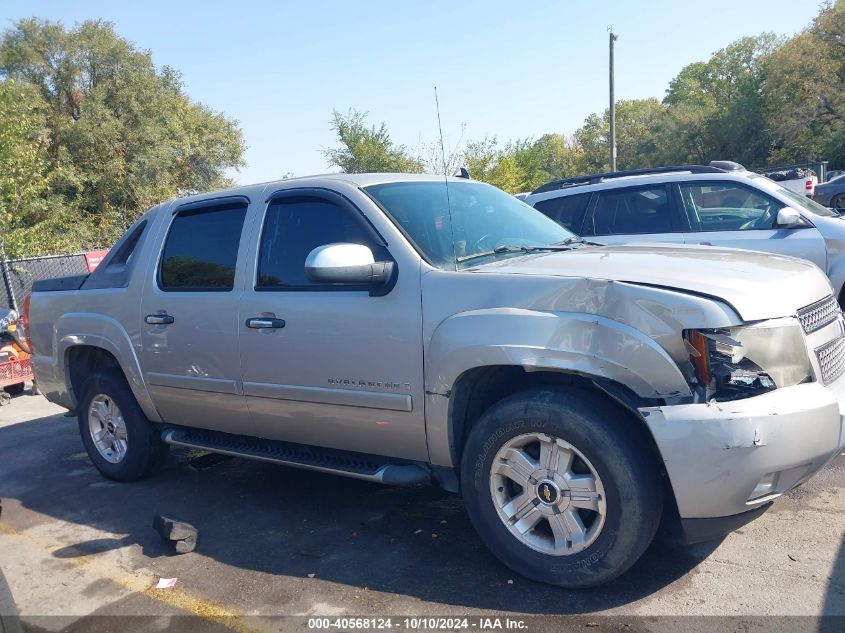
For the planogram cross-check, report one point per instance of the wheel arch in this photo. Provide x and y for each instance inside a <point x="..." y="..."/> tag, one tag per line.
<point x="511" y="346"/>
<point x="79" y="354"/>
<point x="478" y="389"/>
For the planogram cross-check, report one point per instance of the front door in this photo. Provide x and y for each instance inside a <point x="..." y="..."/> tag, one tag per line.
<point x="189" y="319"/>
<point x="734" y="215"/>
<point x="331" y="365"/>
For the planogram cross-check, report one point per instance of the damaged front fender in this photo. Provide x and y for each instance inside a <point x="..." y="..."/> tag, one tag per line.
<point x="578" y="343"/>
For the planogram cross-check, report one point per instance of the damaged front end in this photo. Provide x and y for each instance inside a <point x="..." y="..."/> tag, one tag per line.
<point x="741" y="362"/>
<point x="765" y="415"/>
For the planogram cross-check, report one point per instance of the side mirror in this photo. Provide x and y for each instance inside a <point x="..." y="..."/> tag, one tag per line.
<point x="789" y="217"/>
<point x="346" y="264"/>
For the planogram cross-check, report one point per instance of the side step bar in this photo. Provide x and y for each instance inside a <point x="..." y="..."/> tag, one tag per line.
<point x="327" y="460"/>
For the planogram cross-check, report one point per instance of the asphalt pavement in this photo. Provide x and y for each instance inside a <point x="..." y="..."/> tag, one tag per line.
<point x="276" y="541"/>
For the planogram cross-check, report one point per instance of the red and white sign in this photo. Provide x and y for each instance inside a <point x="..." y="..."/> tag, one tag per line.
<point x="93" y="259"/>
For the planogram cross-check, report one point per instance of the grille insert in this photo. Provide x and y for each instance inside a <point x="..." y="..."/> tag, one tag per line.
<point x="832" y="359"/>
<point x="816" y="315"/>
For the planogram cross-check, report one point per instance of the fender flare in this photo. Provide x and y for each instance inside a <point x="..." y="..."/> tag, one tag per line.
<point x="570" y="342"/>
<point x="580" y="343"/>
<point x="108" y="334"/>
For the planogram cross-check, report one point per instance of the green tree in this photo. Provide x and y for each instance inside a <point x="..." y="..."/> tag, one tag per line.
<point x="521" y="165"/>
<point x="366" y="148"/>
<point x="636" y="123"/>
<point x="716" y="109"/>
<point x="121" y="134"/>
<point x="23" y="151"/>
<point x="805" y="91"/>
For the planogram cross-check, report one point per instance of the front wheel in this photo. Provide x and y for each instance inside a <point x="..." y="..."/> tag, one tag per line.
<point x="119" y="439"/>
<point x="561" y="486"/>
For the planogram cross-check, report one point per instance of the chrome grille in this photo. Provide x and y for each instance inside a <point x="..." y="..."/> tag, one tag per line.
<point x="815" y="316"/>
<point x="832" y="359"/>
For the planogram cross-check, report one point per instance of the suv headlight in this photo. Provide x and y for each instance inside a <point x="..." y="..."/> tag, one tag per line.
<point x="739" y="362"/>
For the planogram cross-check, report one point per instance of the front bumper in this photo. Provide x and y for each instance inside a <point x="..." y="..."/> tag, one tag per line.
<point x="716" y="453"/>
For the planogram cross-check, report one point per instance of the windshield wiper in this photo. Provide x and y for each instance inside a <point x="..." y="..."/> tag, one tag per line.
<point x="577" y="239"/>
<point x="516" y="249"/>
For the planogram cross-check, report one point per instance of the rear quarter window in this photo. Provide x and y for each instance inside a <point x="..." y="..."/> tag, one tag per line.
<point x="568" y="211"/>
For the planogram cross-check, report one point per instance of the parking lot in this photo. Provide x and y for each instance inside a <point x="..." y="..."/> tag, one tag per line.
<point x="276" y="541"/>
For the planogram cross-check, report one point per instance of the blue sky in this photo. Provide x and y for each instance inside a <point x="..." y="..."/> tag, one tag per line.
<point x="503" y="68"/>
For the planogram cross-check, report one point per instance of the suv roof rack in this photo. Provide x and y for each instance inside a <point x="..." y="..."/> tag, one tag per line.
<point x="592" y="179"/>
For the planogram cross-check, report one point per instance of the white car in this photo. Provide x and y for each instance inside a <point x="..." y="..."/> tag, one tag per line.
<point x="721" y="204"/>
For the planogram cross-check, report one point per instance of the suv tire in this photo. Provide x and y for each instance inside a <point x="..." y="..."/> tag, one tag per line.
<point x="123" y="444"/>
<point x="593" y="513"/>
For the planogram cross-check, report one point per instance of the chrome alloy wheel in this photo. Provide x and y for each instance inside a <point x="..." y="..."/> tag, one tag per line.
<point x="547" y="494"/>
<point x="108" y="428"/>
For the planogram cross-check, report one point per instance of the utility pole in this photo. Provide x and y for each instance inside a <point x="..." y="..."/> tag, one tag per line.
<point x="613" y="38"/>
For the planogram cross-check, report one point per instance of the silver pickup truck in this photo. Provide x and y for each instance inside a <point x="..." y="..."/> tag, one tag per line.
<point x="413" y="330"/>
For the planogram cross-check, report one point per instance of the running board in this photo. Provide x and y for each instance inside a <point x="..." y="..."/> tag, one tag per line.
<point x="327" y="460"/>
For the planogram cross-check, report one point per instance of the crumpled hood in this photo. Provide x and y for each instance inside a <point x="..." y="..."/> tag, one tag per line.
<point x="757" y="285"/>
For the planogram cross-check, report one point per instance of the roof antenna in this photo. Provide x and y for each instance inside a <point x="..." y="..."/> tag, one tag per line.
<point x="446" y="180"/>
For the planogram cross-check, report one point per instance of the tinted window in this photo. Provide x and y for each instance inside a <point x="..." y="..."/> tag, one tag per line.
<point x="296" y="226"/>
<point x="567" y="211"/>
<point x="202" y="249"/>
<point x="474" y="220"/>
<point x="631" y="211"/>
<point x="728" y="206"/>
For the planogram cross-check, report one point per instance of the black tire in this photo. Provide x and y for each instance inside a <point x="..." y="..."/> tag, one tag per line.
<point x="838" y="202"/>
<point x="16" y="390"/>
<point x="608" y="437"/>
<point x="144" y="448"/>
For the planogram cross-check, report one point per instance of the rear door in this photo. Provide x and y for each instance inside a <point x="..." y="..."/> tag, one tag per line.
<point x="647" y="213"/>
<point x="735" y="215"/>
<point x="189" y="318"/>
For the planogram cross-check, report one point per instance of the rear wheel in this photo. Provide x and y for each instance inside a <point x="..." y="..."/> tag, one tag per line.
<point x="561" y="486"/>
<point x="119" y="439"/>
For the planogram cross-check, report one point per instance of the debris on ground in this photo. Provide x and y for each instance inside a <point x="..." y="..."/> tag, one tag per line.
<point x="166" y="583"/>
<point x="182" y="535"/>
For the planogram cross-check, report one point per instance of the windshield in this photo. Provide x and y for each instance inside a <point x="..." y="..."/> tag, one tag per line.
<point x="797" y="200"/>
<point x="483" y="218"/>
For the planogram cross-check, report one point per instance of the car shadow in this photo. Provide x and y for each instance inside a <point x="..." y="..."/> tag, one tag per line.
<point x="833" y="610"/>
<point x="283" y="521"/>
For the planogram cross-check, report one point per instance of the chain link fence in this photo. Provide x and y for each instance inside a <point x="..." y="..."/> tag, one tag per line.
<point x="19" y="274"/>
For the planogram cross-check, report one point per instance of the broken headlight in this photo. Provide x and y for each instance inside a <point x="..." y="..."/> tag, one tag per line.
<point x="739" y="362"/>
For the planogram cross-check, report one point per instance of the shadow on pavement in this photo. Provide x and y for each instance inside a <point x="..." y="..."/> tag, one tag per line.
<point x="9" y="622"/>
<point x="288" y="522"/>
<point x="834" y="603"/>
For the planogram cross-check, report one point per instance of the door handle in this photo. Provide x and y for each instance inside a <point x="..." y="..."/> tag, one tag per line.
<point x="258" y="323"/>
<point x="158" y="319"/>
